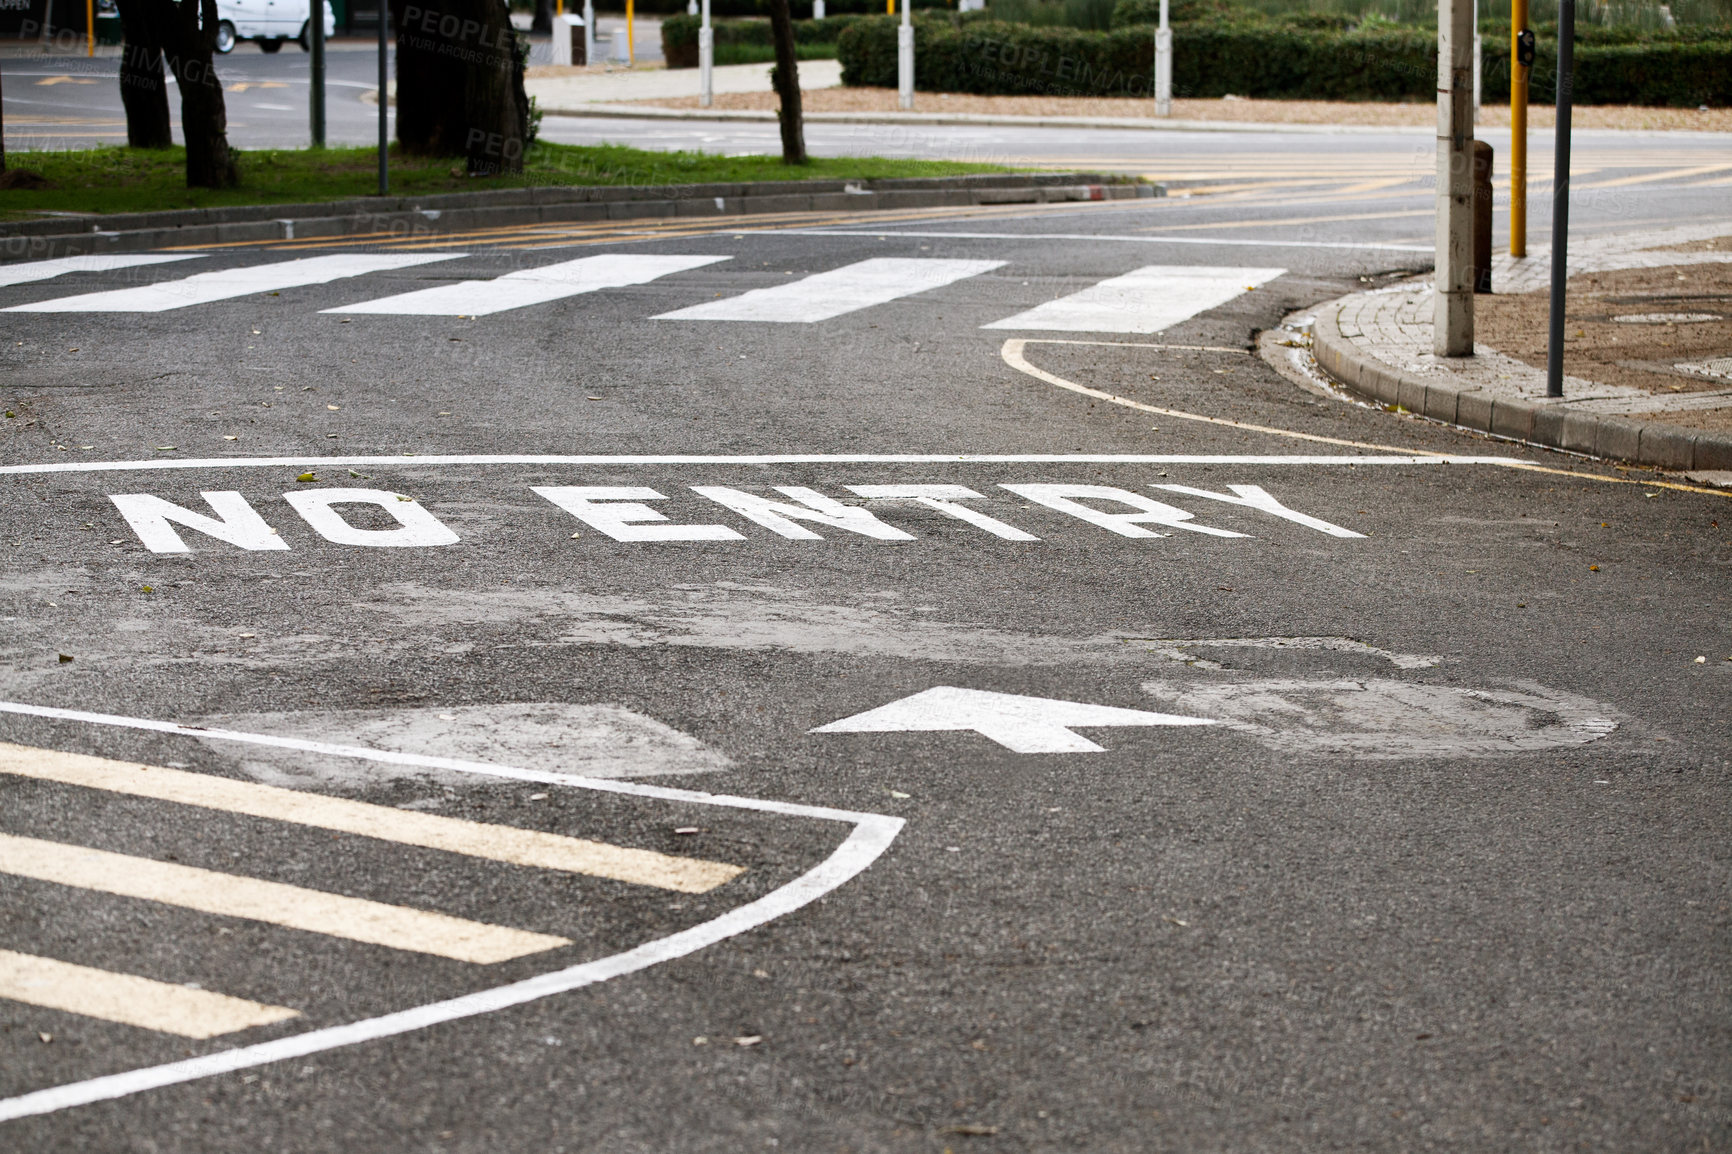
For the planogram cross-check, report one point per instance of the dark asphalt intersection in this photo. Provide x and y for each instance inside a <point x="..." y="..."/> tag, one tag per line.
<point x="478" y="818"/>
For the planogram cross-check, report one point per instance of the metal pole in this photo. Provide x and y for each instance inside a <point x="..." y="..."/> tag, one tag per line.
<point x="1452" y="324"/>
<point x="630" y="43"/>
<point x="1163" y="65"/>
<point x="316" y="55"/>
<point x="1561" y="199"/>
<point x="90" y="27"/>
<point x="905" y="60"/>
<point x="1521" y="41"/>
<point x="384" y="103"/>
<point x="706" y="59"/>
<point x="588" y="33"/>
<point x="1476" y="61"/>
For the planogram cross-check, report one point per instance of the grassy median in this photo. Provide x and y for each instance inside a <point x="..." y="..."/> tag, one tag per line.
<point x="113" y="179"/>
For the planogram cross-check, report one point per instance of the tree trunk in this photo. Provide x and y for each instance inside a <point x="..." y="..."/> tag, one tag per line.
<point x="543" y="22"/>
<point x="786" y="79"/>
<point x="460" y="83"/>
<point x="189" y="37"/>
<point x="143" y="91"/>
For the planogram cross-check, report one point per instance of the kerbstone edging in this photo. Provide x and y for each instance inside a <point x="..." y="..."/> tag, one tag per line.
<point x="1541" y="422"/>
<point x="407" y="217"/>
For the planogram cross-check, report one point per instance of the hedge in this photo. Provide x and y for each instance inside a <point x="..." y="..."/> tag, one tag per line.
<point x="1268" y="59"/>
<point x="680" y="35"/>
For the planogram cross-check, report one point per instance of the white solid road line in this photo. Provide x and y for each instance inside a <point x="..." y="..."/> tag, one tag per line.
<point x="870" y="836"/>
<point x="205" y="287"/>
<point x="1146" y="300"/>
<point x="523" y="847"/>
<point x="532" y="286"/>
<point x="831" y="294"/>
<point x="229" y="895"/>
<point x="35" y="270"/>
<point x="1098" y="236"/>
<point x="129" y="999"/>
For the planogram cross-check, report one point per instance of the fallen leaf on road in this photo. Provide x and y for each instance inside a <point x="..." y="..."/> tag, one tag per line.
<point x="307" y="477"/>
<point x="65" y="657"/>
<point x="749" y="1040"/>
<point x="971" y="1130"/>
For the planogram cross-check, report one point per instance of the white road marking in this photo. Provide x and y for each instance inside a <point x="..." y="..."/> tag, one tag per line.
<point x="236" y="522"/>
<point x="531" y="286"/>
<point x="129" y="999"/>
<point x="416" y="527"/>
<point x="870" y="837"/>
<point x="35" y="270"/>
<point x="1259" y="498"/>
<point x="1347" y="460"/>
<point x="229" y="895"/>
<point x="943" y="498"/>
<point x="1109" y="237"/>
<point x="831" y="294"/>
<point x="615" y="511"/>
<point x="1147" y="510"/>
<point x="1144" y="301"/>
<point x="1021" y="724"/>
<point x="523" y="847"/>
<point x="779" y="517"/>
<point x="205" y="287"/>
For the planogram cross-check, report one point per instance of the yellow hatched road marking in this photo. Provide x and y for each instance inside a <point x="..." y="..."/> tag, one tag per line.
<point x="228" y="895"/>
<point x="129" y="999"/>
<point x="501" y="843"/>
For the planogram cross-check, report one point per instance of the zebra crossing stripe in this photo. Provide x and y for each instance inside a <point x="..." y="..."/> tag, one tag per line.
<point x="1145" y="300"/>
<point x="523" y="847"/>
<point x="230" y="895"/>
<point x="35" y="270"/>
<point x="532" y="286"/>
<point x="832" y="294"/>
<point x="130" y="999"/>
<point x="224" y="284"/>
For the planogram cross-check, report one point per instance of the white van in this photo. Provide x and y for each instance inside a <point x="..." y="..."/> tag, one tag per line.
<point x="270" y="22"/>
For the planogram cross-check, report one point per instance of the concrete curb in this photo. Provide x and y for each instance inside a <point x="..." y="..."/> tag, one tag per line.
<point x="1539" y="422"/>
<point x="978" y="119"/>
<point x="396" y="218"/>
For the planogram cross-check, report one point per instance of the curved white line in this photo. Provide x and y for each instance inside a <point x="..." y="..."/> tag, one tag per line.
<point x="871" y="836"/>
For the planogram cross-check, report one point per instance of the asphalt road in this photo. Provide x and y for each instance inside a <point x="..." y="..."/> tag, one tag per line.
<point x="1447" y="870"/>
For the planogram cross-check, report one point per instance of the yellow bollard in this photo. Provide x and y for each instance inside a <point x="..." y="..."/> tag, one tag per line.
<point x="630" y="41"/>
<point x="1518" y="128"/>
<point x="90" y="27"/>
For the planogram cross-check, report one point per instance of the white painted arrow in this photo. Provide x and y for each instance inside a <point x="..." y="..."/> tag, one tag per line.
<point x="1023" y="724"/>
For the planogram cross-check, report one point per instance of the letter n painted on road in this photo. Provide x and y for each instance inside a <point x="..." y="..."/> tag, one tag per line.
<point x="239" y="525"/>
<point x="779" y="517"/>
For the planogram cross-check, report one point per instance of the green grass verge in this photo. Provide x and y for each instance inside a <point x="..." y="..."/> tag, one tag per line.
<point x="115" y="179"/>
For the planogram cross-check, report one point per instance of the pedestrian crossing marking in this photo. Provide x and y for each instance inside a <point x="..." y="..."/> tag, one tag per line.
<point x="276" y="903"/>
<point x="832" y="294"/>
<point x="35" y="270"/>
<point x="130" y="999"/>
<point x="225" y="284"/>
<point x="533" y="286"/>
<point x="501" y="843"/>
<point x="1145" y="300"/>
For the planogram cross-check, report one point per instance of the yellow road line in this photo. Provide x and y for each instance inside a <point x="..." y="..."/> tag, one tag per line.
<point x="1652" y="177"/>
<point x="229" y="895"/>
<point x="1289" y="221"/>
<point x="502" y="843"/>
<point x="129" y="999"/>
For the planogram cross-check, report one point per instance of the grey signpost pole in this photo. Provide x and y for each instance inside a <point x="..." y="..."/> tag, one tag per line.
<point x="1163" y="65"/>
<point x="316" y="54"/>
<point x="1561" y="199"/>
<point x="384" y="133"/>
<point x="1452" y="325"/>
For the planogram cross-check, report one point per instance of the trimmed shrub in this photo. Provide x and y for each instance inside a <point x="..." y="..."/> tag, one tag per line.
<point x="1268" y="59"/>
<point x="739" y="41"/>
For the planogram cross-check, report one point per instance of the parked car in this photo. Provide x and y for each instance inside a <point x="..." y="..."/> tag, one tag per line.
<point x="270" y="22"/>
